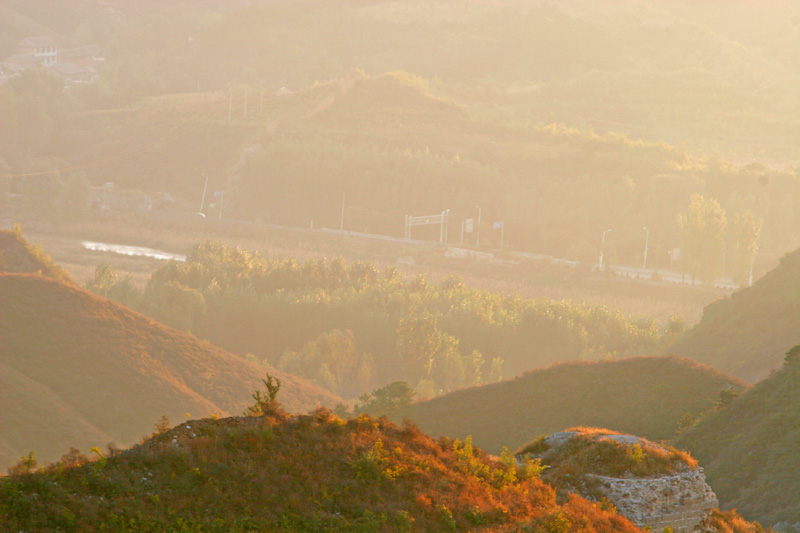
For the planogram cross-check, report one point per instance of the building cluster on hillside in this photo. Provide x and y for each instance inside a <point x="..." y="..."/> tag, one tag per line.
<point x="73" y="65"/>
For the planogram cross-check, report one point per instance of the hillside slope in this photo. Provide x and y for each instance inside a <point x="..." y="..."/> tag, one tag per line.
<point x="643" y="396"/>
<point x="307" y="473"/>
<point x="747" y="334"/>
<point x="749" y="449"/>
<point x="18" y="255"/>
<point x="78" y="368"/>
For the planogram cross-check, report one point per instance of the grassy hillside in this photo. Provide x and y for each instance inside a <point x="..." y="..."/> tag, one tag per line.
<point x="18" y="255"/>
<point x="81" y="370"/>
<point x="749" y="449"/>
<point x="747" y="334"/>
<point x="643" y="396"/>
<point x="308" y="473"/>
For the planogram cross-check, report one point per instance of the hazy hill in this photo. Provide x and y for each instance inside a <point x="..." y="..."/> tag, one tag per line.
<point x="748" y="333"/>
<point x="469" y="124"/>
<point x="647" y="396"/>
<point x="749" y="449"/>
<point x="80" y="370"/>
<point x="18" y="255"/>
<point x="310" y="473"/>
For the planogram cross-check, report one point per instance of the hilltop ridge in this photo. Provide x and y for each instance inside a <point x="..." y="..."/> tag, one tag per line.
<point x="19" y="255"/>
<point x="647" y="396"/>
<point x="283" y="473"/>
<point x="748" y="333"/>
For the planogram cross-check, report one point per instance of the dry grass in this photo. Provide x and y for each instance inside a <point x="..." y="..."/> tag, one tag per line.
<point x="77" y="357"/>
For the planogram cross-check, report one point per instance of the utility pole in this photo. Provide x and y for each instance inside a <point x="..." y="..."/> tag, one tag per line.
<point x="602" y="247"/>
<point x="203" y="201"/>
<point x="478" y="234"/>
<point x="646" y="242"/>
<point x="443" y="226"/>
<point x="221" y="201"/>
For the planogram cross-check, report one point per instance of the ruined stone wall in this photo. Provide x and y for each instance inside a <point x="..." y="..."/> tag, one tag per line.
<point x="680" y="501"/>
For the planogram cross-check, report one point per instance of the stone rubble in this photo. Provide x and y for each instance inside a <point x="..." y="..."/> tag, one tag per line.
<point x="681" y="500"/>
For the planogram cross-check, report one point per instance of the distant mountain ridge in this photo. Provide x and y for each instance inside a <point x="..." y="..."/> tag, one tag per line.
<point x="80" y="370"/>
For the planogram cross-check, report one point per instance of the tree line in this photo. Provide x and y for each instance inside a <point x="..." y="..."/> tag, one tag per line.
<point x="353" y="328"/>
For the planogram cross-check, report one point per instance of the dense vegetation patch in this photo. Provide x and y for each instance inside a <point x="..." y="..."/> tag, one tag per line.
<point x="352" y="328"/>
<point x="282" y="473"/>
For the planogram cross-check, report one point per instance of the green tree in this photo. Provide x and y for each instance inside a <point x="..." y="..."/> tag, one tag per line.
<point x="746" y="230"/>
<point x="103" y="279"/>
<point x="337" y="350"/>
<point x="266" y="402"/>
<point x="395" y="399"/>
<point x="792" y="356"/>
<point x="702" y="231"/>
<point x="418" y="341"/>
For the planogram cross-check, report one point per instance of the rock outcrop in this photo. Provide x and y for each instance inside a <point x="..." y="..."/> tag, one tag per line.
<point x="651" y="485"/>
<point x="680" y="501"/>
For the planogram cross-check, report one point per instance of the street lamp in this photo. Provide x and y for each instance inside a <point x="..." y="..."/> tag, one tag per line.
<point x="602" y="243"/>
<point x="442" y="235"/>
<point x="646" y="242"/>
<point x="478" y="234"/>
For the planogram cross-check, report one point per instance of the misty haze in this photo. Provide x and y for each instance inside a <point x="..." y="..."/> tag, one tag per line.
<point x="492" y="265"/>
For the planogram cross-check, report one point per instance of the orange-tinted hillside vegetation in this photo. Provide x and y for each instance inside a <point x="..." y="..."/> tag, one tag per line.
<point x="307" y="473"/>
<point x="80" y="370"/>
<point x="18" y="255"/>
